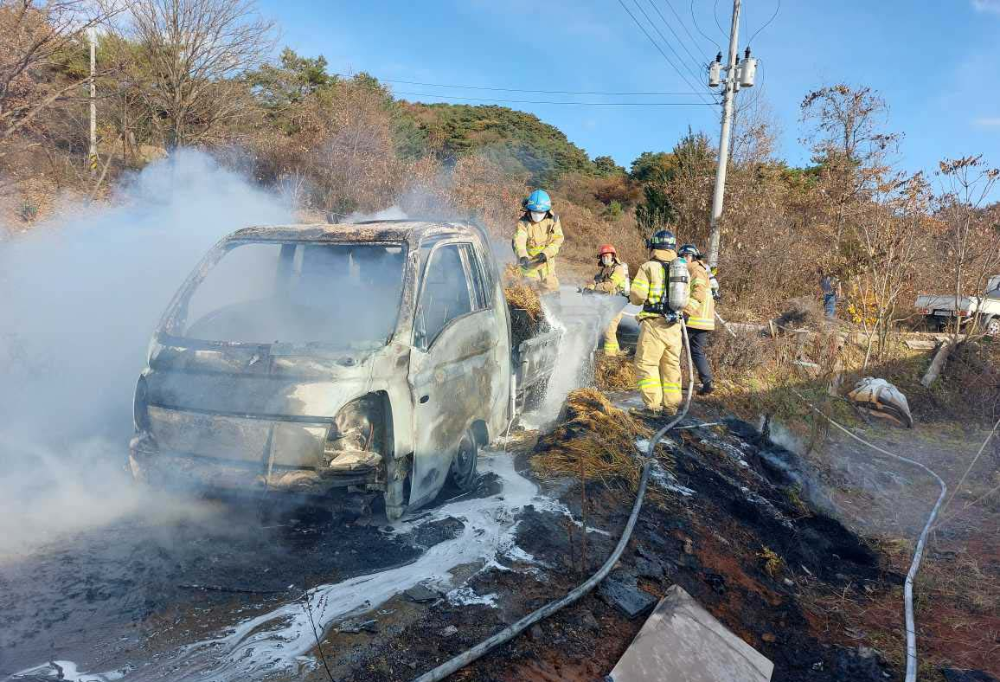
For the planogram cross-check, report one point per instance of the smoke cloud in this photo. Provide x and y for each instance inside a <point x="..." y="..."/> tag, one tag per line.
<point x="82" y="295"/>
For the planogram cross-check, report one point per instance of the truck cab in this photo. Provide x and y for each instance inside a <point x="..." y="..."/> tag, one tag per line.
<point x="371" y="359"/>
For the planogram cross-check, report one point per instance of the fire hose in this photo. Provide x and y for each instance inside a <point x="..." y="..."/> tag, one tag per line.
<point x="513" y="630"/>
<point x="911" y="627"/>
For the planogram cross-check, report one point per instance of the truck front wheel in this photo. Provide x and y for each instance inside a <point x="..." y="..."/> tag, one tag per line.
<point x="463" y="471"/>
<point x="993" y="327"/>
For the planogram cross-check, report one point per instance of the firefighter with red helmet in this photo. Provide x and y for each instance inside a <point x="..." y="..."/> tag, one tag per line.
<point x="611" y="278"/>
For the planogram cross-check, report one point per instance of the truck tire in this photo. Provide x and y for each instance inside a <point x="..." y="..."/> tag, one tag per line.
<point x="463" y="473"/>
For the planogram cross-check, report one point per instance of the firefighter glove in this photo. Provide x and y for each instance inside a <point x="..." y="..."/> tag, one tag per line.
<point x="541" y="258"/>
<point x="525" y="262"/>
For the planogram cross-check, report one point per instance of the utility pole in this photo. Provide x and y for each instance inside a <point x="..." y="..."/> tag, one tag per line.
<point x="92" y="157"/>
<point x="729" y="93"/>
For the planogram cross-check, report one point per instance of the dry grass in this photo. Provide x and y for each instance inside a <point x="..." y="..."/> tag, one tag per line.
<point x="614" y="373"/>
<point x="771" y="561"/>
<point x="594" y="439"/>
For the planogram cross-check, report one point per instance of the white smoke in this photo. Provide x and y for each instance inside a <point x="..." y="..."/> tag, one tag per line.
<point x="582" y="320"/>
<point x="82" y="295"/>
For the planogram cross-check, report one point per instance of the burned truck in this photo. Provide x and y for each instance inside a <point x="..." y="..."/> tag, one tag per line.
<point x="334" y="361"/>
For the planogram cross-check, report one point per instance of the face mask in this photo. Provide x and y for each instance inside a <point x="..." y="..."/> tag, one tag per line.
<point x="606" y="259"/>
<point x="537" y="216"/>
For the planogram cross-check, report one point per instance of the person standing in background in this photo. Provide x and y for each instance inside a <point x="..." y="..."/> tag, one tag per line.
<point x="830" y="286"/>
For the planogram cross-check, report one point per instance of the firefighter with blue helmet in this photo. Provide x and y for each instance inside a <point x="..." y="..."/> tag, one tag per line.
<point x="537" y="239"/>
<point x="658" y="351"/>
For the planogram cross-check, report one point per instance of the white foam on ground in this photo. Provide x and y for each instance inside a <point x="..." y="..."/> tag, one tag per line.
<point x="278" y="640"/>
<point x="667" y="481"/>
<point x="67" y="671"/>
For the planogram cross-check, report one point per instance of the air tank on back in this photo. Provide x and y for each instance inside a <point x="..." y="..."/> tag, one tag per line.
<point x="677" y="287"/>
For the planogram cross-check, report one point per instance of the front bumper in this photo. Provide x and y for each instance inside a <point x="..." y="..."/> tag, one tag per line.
<point x="187" y="472"/>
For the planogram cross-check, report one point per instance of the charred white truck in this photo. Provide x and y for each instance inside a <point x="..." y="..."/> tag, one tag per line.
<point x="338" y="361"/>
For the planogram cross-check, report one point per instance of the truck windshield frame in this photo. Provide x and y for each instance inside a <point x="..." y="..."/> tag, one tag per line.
<point x="175" y="327"/>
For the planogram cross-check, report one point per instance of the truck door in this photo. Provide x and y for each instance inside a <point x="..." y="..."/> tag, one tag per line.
<point x="452" y="366"/>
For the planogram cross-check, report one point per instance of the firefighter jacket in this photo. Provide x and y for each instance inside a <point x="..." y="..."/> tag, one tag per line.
<point x="612" y="279"/>
<point x="701" y="315"/>
<point x="649" y="285"/>
<point x="545" y="236"/>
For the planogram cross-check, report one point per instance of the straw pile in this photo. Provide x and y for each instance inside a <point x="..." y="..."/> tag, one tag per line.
<point x="614" y="373"/>
<point x="526" y="316"/>
<point x="594" y="440"/>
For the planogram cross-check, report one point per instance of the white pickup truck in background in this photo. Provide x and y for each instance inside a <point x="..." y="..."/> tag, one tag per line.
<point x="939" y="310"/>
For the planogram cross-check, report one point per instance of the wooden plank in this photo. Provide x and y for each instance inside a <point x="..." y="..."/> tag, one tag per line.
<point x="682" y="642"/>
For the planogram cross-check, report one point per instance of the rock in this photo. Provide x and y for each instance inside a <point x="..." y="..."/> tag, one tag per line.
<point x="353" y="627"/>
<point x="536" y="632"/>
<point x="588" y="620"/>
<point x="788" y="582"/>
<point x="625" y="597"/>
<point x="421" y="594"/>
<point x="649" y="568"/>
<point x="448" y="631"/>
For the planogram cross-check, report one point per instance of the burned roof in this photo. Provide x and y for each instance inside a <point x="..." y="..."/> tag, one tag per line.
<point x="412" y="232"/>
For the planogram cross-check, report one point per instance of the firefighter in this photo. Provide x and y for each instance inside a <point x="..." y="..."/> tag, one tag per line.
<point x="701" y="324"/>
<point x="537" y="240"/>
<point x="611" y="278"/>
<point x="658" y="352"/>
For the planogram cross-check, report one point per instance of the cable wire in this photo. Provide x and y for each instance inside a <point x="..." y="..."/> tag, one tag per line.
<point x="680" y="21"/>
<point x="579" y="104"/>
<point x="534" y="92"/>
<point x="694" y="20"/>
<point x="768" y="23"/>
<point x="911" y="627"/>
<point x="694" y="60"/>
<point x="666" y="42"/>
<point x="656" y="45"/>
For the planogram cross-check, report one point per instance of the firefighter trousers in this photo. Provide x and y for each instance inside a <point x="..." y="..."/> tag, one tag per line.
<point x="698" y="339"/>
<point x="611" y="348"/>
<point x="658" y="364"/>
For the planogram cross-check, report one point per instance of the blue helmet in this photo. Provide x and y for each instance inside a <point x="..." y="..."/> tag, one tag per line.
<point x="662" y="239"/>
<point x="538" y="201"/>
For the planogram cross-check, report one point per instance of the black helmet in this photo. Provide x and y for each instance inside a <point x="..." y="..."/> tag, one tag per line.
<point x="662" y="239"/>
<point x="689" y="250"/>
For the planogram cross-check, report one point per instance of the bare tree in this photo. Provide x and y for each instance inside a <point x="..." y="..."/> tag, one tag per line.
<point x="190" y="53"/>
<point x="35" y="39"/>
<point x="846" y="138"/>
<point x="890" y="233"/>
<point x="973" y="231"/>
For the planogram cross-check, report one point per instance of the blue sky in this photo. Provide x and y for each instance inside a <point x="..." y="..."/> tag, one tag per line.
<point x="936" y="62"/>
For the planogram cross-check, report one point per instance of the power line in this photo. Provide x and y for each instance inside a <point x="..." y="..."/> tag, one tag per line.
<point x="670" y="28"/>
<point x="579" y="104"/>
<point x="715" y="15"/>
<point x="773" y="16"/>
<point x="656" y="45"/>
<point x="683" y="25"/>
<point x="694" y="20"/>
<point x="667" y="43"/>
<point x="535" y="92"/>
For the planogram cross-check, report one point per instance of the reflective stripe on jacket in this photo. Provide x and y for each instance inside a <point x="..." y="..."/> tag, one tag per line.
<point x="701" y="314"/>
<point x="647" y="286"/>
<point x="545" y="236"/>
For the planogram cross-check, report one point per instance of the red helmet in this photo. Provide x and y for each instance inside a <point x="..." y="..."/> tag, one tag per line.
<point x="607" y="248"/>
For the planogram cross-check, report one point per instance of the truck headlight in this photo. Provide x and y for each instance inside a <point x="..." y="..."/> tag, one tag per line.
<point x="354" y="427"/>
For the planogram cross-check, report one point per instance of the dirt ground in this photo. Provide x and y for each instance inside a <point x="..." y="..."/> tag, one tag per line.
<point x="803" y="557"/>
